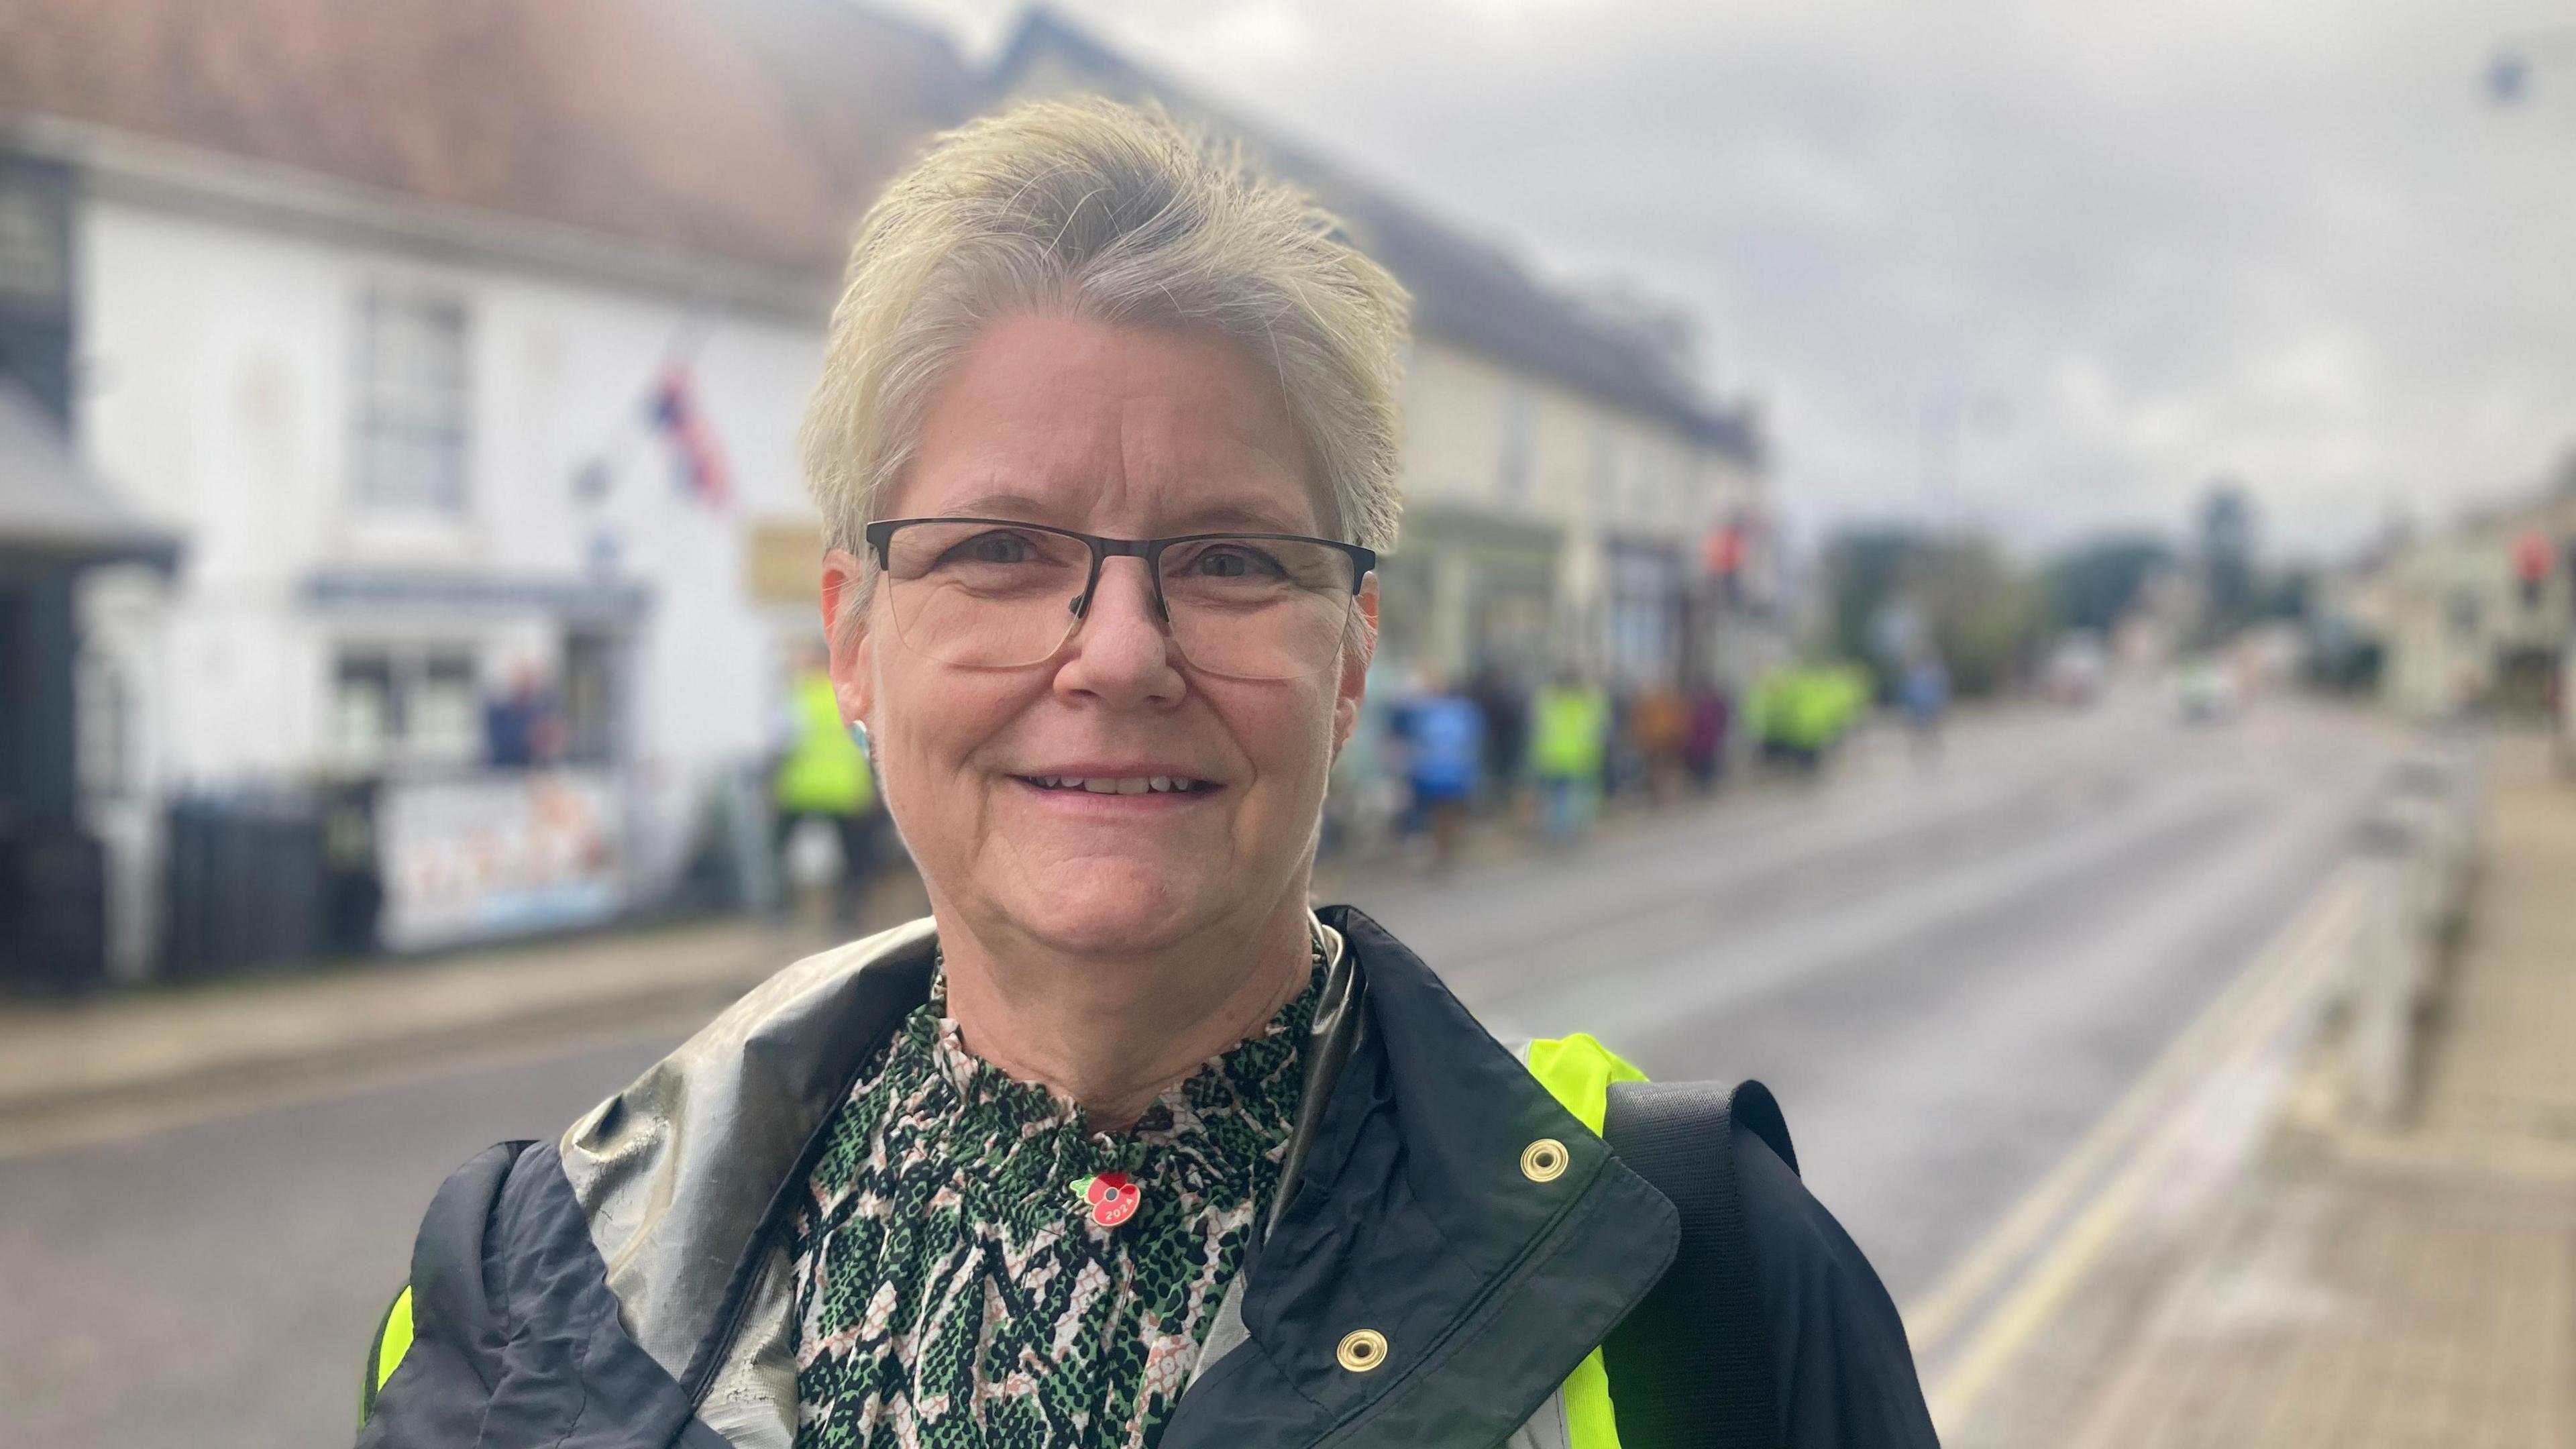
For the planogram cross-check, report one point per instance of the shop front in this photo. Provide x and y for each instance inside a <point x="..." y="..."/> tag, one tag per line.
<point x="1468" y="589"/>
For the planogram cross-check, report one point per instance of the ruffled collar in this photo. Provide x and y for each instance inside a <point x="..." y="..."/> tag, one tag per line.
<point x="1020" y="1148"/>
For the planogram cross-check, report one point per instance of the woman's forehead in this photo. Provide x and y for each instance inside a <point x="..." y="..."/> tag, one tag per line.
<point x="1261" y="508"/>
<point x="1080" y="424"/>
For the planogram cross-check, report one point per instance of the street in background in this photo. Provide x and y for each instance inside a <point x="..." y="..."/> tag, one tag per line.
<point x="2016" y="570"/>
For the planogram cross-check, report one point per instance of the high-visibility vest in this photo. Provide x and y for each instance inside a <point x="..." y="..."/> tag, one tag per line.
<point x="825" y="770"/>
<point x="1568" y="730"/>
<point x="1577" y="1070"/>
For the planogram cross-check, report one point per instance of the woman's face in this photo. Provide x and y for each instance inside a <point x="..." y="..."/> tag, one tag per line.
<point x="1132" y="433"/>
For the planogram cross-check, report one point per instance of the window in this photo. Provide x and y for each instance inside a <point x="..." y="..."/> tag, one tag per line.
<point x="1517" y="429"/>
<point x="1605" y="466"/>
<point x="593" y="679"/>
<point x="413" y="428"/>
<point x="103" y="719"/>
<point x="1645" y="485"/>
<point x="404" y="705"/>
<point x="364" y="725"/>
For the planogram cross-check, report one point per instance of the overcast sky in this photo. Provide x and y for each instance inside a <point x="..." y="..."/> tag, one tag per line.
<point x="2110" y="251"/>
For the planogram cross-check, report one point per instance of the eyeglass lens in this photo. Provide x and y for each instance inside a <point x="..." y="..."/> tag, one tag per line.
<point x="983" y="595"/>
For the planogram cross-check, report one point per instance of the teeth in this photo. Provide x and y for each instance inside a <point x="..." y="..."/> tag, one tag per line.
<point x="1135" y="785"/>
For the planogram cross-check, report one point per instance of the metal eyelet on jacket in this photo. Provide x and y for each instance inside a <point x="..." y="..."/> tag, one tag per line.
<point x="1544" y="1160"/>
<point x="1362" y="1350"/>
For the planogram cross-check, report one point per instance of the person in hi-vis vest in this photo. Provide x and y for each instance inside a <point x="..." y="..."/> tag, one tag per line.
<point x="823" y="775"/>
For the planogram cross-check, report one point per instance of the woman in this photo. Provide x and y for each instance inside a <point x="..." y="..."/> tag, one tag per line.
<point x="1124" y="1145"/>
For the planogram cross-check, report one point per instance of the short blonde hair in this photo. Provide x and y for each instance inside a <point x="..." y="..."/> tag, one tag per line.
<point x="1118" y="214"/>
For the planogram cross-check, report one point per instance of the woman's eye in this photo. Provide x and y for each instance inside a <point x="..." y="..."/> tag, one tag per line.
<point x="1227" y="563"/>
<point x="994" y="548"/>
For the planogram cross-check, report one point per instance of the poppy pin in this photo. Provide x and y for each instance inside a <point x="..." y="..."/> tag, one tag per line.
<point x="1113" y="1197"/>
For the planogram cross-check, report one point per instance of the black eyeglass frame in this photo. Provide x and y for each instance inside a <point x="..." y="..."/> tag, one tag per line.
<point x="880" y="535"/>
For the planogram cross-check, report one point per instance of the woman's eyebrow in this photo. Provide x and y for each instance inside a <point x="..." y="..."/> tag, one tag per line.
<point x="1238" y="517"/>
<point x="1014" y="506"/>
<point x="1234" y="517"/>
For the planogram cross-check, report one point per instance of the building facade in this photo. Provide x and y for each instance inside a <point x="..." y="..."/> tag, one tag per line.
<point x="474" y="410"/>
<point x="469" y="407"/>
<point x="2480" y="616"/>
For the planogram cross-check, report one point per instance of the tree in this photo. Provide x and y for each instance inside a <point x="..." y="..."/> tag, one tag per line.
<point x="2096" y="583"/>
<point x="1984" y="613"/>
<point x="1864" y="573"/>
<point x="1896" y="590"/>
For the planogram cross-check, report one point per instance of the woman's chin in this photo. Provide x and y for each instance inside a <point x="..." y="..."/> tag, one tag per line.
<point x="1106" y="907"/>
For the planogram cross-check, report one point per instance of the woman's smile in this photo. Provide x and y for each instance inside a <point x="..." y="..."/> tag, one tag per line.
<point x="1153" y="787"/>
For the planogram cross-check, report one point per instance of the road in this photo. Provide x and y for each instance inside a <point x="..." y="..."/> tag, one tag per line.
<point x="1945" y="971"/>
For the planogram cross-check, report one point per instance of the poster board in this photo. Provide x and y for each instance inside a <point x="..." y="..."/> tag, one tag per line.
<point x="489" y="856"/>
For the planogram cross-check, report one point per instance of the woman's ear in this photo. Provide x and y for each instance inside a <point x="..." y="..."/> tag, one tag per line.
<point x="1355" y="663"/>
<point x="845" y="633"/>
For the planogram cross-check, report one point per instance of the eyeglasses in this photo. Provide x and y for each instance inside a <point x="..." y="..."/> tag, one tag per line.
<point x="991" y="593"/>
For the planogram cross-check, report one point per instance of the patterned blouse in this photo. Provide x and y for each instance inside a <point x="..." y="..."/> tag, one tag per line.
<point x="967" y="1273"/>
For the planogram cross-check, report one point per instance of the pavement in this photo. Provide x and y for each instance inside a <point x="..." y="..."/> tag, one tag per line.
<point x="109" y="1067"/>
<point x="1954" y="974"/>
<point x="2317" y="1282"/>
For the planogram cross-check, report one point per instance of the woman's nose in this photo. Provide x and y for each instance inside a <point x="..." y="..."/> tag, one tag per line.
<point x="1121" y="647"/>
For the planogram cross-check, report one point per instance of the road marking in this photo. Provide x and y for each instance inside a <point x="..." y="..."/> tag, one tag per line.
<point x="1931" y="1318"/>
<point x="2251" y="1011"/>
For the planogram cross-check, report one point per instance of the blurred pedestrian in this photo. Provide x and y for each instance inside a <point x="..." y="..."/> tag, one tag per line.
<point x="1802" y="709"/>
<point x="1444" y="743"/>
<point x="1506" y="709"/>
<point x="823" y="776"/>
<point x="1704" y="746"/>
<point x="1569" y="748"/>
<point x="523" y="726"/>
<point x="1659" y="729"/>
<point x="1924" y="696"/>
<point x="1365" y="801"/>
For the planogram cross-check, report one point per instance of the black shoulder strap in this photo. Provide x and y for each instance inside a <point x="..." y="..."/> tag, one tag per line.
<point x="1690" y="1368"/>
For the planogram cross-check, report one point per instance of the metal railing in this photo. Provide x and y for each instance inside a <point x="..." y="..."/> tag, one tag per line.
<point x="2417" y="854"/>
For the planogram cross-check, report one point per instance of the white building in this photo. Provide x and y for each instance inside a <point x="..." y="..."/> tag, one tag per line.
<point x="2479" y="615"/>
<point x="383" y="349"/>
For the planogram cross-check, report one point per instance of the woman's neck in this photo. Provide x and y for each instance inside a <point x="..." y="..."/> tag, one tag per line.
<point x="1113" y="1032"/>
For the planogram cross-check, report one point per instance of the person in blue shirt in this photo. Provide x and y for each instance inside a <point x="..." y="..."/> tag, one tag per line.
<point x="1444" y="742"/>
<point x="1925" y="695"/>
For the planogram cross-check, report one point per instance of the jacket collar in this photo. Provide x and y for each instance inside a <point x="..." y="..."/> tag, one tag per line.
<point x="682" y="1175"/>
<point x="1413" y="1218"/>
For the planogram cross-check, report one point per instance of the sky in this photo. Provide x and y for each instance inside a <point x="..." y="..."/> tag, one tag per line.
<point x="2040" y="267"/>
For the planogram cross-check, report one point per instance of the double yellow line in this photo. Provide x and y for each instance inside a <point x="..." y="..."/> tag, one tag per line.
<point x="1977" y="1322"/>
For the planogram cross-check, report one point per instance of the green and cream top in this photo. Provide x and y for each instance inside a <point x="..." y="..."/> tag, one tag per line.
<point x="966" y="1272"/>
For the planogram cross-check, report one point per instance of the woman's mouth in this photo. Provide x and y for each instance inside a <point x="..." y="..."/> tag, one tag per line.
<point x="1119" y="784"/>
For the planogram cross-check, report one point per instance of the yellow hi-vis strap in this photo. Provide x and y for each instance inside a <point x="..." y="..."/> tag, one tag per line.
<point x="392" y="1342"/>
<point x="1578" y="1071"/>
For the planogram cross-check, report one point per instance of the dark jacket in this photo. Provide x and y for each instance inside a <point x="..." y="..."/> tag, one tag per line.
<point x="626" y="1286"/>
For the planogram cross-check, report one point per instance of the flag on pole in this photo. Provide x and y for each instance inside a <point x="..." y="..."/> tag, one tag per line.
<point x="701" y="463"/>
